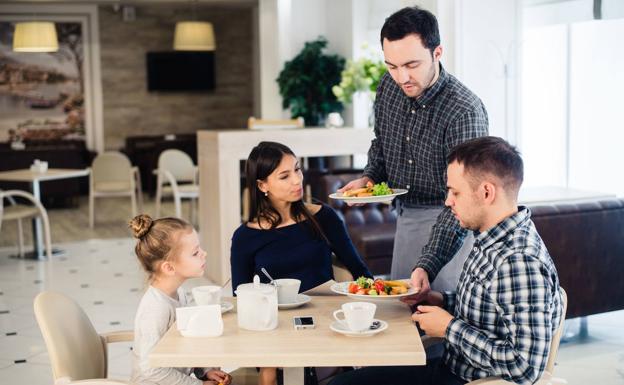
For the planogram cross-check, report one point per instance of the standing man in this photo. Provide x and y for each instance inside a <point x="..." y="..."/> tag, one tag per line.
<point x="421" y="113"/>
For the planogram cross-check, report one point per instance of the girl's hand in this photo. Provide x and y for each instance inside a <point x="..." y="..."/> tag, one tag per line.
<point x="217" y="377"/>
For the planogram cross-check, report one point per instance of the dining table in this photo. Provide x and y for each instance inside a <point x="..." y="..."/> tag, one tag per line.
<point x="35" y="178"/>
<point x="291" y="349"/>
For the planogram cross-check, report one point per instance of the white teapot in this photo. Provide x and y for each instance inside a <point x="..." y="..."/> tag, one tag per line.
<point x="256" y="305"/>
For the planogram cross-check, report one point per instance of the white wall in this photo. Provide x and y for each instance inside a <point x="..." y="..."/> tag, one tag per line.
<point x="487" y="39"/>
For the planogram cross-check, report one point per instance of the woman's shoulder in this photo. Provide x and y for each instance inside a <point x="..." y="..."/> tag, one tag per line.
<point x="323" y="212"/>
<point x="314" y="208"/>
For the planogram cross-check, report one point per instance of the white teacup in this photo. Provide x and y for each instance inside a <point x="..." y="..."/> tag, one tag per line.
<point x="207" y="295"/>
<point x="287" y="290"/>
<point x="200" y="321"/>
<point x="358" y="316"/>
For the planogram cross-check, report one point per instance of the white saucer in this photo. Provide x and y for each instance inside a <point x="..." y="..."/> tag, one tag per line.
<point x="338" y="328"/>
<point x="302" y="299"/>
<point x="226" y="307"/>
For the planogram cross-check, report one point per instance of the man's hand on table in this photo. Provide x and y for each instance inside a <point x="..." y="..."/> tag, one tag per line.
<point x="357" y="183"/>
<point x="433" y="320"/>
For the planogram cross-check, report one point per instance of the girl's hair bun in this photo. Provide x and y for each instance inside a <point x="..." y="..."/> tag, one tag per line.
<point x="140" y="225"/>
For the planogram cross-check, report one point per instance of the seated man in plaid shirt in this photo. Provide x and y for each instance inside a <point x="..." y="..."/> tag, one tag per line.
<point x="508" y="303"/>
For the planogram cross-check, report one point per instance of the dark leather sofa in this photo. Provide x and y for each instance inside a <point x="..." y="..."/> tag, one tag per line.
<point x="585" y="240"/>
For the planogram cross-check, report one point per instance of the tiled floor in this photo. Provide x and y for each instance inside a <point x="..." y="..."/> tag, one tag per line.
<point x="104" y="278"/>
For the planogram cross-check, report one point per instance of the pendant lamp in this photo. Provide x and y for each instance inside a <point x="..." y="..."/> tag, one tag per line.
<point x="35" y="36"/>
<point x="194" y="36"/>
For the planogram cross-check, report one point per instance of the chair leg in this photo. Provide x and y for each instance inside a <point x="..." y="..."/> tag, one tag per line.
<point x="133" y="200"/>
<point x="158" y="196"/>
<point x="178" y="205"/>
<point x="91" y="210"/>
<point x="20" y="238"/>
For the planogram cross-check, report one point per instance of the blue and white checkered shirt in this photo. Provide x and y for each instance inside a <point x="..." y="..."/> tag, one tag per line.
<point x="412" y="140"/>
<point x="507" y="305"/>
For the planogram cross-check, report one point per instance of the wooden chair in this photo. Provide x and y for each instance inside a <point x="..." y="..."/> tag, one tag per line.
<point x="177" y="176"/>
<point x="112" y="175"/>
<point x="78" y="354"/>
<point x="17" y="211"/>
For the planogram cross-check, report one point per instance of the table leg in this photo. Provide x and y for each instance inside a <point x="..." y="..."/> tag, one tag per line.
<point x="37" y="226"/>
<point x="293" y="376"/>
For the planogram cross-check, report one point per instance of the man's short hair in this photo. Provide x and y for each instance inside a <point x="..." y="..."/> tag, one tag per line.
<point x="412" y="20"/>
<point x="490" y="155"/>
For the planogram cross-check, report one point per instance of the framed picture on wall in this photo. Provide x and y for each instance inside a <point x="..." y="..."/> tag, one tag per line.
<point x="51" y="95"/>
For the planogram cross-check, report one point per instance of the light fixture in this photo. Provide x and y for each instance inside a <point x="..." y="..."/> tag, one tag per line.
<point x="35" y="36"/>
<point x="194" y="36"/>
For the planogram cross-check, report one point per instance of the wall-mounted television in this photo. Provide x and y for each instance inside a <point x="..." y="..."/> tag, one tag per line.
<point x="180" y="71"/>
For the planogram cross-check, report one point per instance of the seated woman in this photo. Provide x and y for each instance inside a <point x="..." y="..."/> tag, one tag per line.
<point x="289" y="238"/>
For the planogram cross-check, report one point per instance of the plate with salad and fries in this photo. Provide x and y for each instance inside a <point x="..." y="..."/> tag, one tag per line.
<point x="371" y="193"/>
<point x="374" y="289"/>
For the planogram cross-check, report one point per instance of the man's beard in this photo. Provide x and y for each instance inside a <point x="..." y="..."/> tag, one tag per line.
<point x="428" y="83"/>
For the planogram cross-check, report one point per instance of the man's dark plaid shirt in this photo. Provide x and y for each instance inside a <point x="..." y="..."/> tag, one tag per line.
<point x="413" y="139"/>
<point x="507" y="306"/>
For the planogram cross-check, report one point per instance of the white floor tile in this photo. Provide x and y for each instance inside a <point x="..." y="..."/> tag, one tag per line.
<point x="20" y="347"/>
<point x="4" y="364"/>
<point x="31" y="374"/>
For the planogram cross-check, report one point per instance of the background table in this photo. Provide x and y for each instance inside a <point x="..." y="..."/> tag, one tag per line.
<point x="34" y="178"/>
<point x="288" y="348"/>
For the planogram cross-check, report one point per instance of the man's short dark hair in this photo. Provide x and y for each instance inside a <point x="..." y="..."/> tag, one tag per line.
<point x="490" y="155"/>
<point x="412" y="20"/>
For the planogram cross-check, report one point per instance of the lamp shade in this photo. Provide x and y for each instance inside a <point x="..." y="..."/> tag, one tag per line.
<point x="194" y="36"/>
<point x="35" y="36"/>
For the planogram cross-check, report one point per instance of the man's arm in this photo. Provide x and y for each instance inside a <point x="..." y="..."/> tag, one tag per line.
<point x="446" y="238"/>
<point x="523" y="295"/>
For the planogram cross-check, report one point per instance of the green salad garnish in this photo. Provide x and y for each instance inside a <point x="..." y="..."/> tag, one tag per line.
<point x="381" y="189"/>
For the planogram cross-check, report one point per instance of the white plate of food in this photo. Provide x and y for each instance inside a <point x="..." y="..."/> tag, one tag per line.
<point x="372" y="193"/>
<point x="369" y="289"/>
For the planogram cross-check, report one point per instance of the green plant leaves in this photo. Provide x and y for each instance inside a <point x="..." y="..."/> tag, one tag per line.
<point x="306" y="81"/>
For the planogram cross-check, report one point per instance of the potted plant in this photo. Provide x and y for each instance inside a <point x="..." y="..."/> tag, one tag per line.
<point x="306" y="83"/>
<point x="360" y="77"/>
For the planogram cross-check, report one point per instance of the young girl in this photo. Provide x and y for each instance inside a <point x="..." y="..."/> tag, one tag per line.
<point x="169" y="251"/>
<point x="285" y="235"/>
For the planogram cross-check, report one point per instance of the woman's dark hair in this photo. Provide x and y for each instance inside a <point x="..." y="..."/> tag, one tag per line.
<point x="262" y="161"/>
<point x="412" y="20"/>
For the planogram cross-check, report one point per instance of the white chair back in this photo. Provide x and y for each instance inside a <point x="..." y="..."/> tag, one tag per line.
<point x="178" y="163"/>
<point x="111" y="166"/>
<point x="76" y="350"/>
